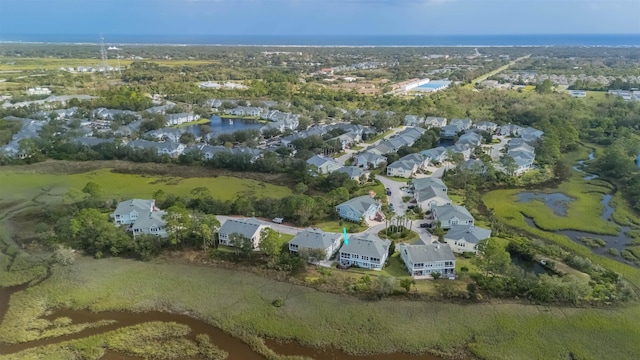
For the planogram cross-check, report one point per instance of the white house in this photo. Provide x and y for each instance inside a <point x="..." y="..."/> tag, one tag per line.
<point x="424" y="260"/>
<point x="181" y="118"/>
<point x="355" y="173"/>
<point x="365" y="251"/>
<point x="248" y="228"/>
<point x="324" y="165"/>
<point x="245" y="111"/>
<point x="142" y="217"/>
<point x="437" y="122"/>
<point x="316" y="239"/>
<point x="367" y="160"/>
<point x="450" y="215"/>
<point x="465" y="238"/>
<point x="449" y="131"/>
<point x="402" y="168"/>
<point x="360" y="208"/>
<point x="462" y="124"/>
<point x="487" y="126"/>
<point x="436" y="155"/>
<point x="38" y="91"/>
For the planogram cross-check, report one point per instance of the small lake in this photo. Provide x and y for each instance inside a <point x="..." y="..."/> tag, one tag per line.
<point x="529" y="265"/>
<point x="220" y="126"/>
<point x="557" y="202"/>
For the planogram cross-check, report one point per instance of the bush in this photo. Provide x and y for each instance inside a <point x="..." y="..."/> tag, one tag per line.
<point x="468" y="255"/>
<point x="278" y="303"/>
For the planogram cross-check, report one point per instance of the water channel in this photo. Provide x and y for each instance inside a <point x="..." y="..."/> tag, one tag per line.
<point x="236" y="349"/>
<point x="558" y="203"/>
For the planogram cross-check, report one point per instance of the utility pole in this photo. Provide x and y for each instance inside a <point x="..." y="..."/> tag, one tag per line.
<point x="104" y="56"/>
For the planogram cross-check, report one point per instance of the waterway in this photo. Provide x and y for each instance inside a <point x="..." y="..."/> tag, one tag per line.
<point x="557" y="202"/>
<point x="236" y="349"/>
<point x="618" y="241"/>
<point x="220" y="126"/>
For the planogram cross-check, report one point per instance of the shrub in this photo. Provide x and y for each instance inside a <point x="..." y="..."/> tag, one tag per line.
<point x="277" y="303"/>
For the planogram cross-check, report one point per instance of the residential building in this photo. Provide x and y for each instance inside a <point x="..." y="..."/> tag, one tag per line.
<point x="413" y="120"/>
<point x="142" y="217"/>
<point x="474" y="165"/>
<point x="365" y="251"/>
<point x="402" y="168"/>
<point x="181" y="118"/>
<point x="323" y="165"/>
<point x="316" y="239"/>
<point x="430" y="192"/>
<point x="460" y="148"/>
<point x="462" y="124"/>
<point x="165" y="134"/>
<point x="531" y="135"/>
<point x="471" y="139"/>
<point x="111" y="114"/>
<point x="38" y="91"/>
<point x="161" y="109"/>
<point x="436" y="122"/>
<point x="510" y="130"/>
<point x="465" y="238"/>
<point x="360" y="208"/>
<point x="424" y="260"/>
<point x="436" y="155"/>
<point x="90" y="141"/>
<point x="245" y="111"/>
<point x="151" y="223"/>
<point x="450" y="215"/>
<point x="250" y="228"/>
<point x="449" y="131"/>
<point x="487" y="126"/>
<point x="172" y="149"/>
<point x="355" y="173"/>
<point x="368" y="160"/>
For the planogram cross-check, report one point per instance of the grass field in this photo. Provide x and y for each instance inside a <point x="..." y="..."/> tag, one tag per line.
<point x="17" y="185"/>
<point x="241" y="302"/>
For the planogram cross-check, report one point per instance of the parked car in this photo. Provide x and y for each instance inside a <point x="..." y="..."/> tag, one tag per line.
<point x="411" y="207"/>
<point x="278" y="220"/>
<point x="425" y="225"/>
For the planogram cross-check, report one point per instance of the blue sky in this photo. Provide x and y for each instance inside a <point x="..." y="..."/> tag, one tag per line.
<point x="320" y="17"/>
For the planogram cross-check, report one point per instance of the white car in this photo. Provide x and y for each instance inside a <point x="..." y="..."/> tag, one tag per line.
<point x="278" y="220"/>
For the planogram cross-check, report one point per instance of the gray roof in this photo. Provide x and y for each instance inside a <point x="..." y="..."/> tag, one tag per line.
<point x="471" y="234"/>
<point x="452" y="128"/>
<point x="474" y="164"/>
<point x="371" y="157"/>
<point x="435" y="152"/>
<point x="431" y="193"/>
<point x="448" y="212"/>
<point x="149" y="219"/>
<point x="244" y="227"/>
<point x="486" y="124"/>
<point x="139" y="205"/>
<point x="366" y="245"/>
<point x="360" y="203"/>
<point x="427" y="182"/>
<point x="314" y="239"/>
<point x="403" y="164"/>
<point x="318" y="161"/>
<point x="352" y="171"/>
<point x="90" y="141"/>
<point x="428" y="253"/>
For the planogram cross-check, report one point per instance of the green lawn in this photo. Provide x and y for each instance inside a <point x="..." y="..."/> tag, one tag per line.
<point x="18" y="185"/>
<point x="191" y="123"/>
<point x="334" y="226"/>
<point x="379" y="136"/>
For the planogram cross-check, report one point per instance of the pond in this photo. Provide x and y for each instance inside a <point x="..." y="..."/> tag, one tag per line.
<point x="555" y="201"/>
<point x="219" y="125"/>
<point x="529" y="265"/>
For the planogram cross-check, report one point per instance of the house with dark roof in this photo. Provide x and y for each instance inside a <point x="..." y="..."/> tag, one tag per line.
<point x="316" y="239"/>
<point x="360" y="208"/>
<point x="424" y="260"/>
<point x="465" y="238"/>
<point x="365" y="250"/>
<point x="249" y="228"/>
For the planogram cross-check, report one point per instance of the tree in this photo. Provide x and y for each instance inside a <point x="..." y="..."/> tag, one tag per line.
<point x="384" y="286"/>
<point x="178" y="224"/>
<point x="270" y="243"/>
<point x="242" y="245"/>
<point x="392" y="249"/>
<point x="438" y="231"/>
<point x="546" y="87"/>
<point x="147" y="246"/>
<point x="94" y="190"/>
<point x="64" y="255"/>
<point x="492" y="258"/>
<point x="406" y="284"/>
<point x="509" y="164"/>
<point x="436" y="275"/>
<point x="312" y="255"/>
<point x="205" y="228"/>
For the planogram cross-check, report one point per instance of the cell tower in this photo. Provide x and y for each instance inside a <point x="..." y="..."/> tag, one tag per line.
<point x="105" y="57"/>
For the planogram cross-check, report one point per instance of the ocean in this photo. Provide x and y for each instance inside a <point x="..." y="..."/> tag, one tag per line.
<point x="333" y="40"/>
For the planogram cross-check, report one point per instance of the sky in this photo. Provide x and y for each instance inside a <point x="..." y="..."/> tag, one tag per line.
<point x="320" y="17"/>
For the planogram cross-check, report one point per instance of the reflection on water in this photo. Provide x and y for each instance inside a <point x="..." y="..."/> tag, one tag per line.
<point x="556" y="201"/>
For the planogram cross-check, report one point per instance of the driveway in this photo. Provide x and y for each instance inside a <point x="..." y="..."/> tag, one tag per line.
<point x="396" y="193"/>
<point x="495" y="149"/>
<point x="348" y="153"/>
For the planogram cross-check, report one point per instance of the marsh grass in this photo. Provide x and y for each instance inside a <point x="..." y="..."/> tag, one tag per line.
<point x="241" y="304"/>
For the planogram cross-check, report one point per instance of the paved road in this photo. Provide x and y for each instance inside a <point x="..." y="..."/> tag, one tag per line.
<point x="495" y="149"/>
<point x="396" y="193"/>
<point x="348" y="153"/>
<point x="293" y="230"/>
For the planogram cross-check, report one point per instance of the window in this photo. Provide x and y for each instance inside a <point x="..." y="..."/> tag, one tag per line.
<point x="355" y="256"/>
<point x="366" y="258"/>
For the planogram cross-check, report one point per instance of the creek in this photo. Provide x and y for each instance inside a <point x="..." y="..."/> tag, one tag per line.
<point x="237" y="349"/>
<point x="558" y="204"/>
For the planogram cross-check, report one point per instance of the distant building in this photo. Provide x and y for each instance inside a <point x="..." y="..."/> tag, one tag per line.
<point x="38" y="91"/>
